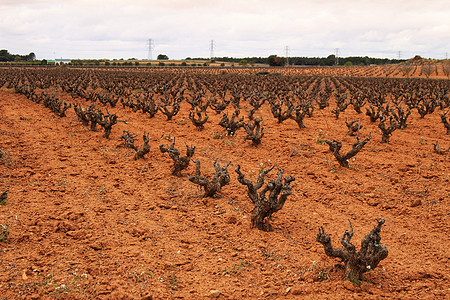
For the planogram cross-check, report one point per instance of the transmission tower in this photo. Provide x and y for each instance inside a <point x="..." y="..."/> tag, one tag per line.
<point x="150" y="48"/>
<point x="399" y="54"/>
<point x="337" y="56"/>
<point x="286" y="49"/>
<point x="212" y="46"/>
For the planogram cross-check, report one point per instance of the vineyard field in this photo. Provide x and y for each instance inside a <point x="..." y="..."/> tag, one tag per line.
<point x="88" y="217"/>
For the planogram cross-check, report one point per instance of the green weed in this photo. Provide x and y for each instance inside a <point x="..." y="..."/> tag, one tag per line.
<point x="4" y="201"/>
<point x="165" y="136"/>
<point x="4" y="232"/>
<point x="103" y="189"/>
<point x="322" y="274"/>
<point x="228" y="143"/>
<point x="320" y="140"/>
<point x="216" y="136"/>
<point x="422" y="141"/>
<point x="182" y="122"/>
<point x="236" y="268"/>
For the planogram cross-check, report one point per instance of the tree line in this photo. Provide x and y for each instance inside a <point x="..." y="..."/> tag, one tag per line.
<point x="6" y="56"/>
<point x="274" y="60"/>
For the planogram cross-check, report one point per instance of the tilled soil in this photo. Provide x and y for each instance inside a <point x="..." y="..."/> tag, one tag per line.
<point x="86" y="220"/>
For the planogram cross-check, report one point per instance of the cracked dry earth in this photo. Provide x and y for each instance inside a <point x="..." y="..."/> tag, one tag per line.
<point x="86" y="220"/>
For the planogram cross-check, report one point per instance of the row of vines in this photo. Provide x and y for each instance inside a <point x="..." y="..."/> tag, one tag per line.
<point x="239" y="97"/>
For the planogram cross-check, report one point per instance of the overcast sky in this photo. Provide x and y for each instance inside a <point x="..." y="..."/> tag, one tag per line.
<point x="185" y="28"/>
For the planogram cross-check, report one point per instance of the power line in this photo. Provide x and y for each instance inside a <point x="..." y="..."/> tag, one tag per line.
<point x="337" y="56"/>
<point x="150" y="48"/>
<point x="286" y="49"/>
<point x="212" y="45"/>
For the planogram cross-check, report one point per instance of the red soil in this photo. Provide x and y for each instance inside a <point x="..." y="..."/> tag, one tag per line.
<point x="87" y="220"/>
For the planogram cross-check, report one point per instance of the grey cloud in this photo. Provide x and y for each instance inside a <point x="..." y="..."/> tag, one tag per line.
<point x="98" y="29"/>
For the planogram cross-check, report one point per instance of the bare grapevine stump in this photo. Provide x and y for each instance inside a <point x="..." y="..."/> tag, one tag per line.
<point x="220" y="179"/>
<point x="266" y="206"/>
<point x="198" y="118"/>
<point x="128" y="139"/>
<point x="335" y="147"/>
<point x="140" y="152"/>
<point x="255" y="131"/>
<point x="179" y="162"/>
<point x="445" y="122"/>
<point x="386" y="132"/>
<point x="356" y="263"/>
<point x="353" y="127"/>
<point x="231" y="125"/>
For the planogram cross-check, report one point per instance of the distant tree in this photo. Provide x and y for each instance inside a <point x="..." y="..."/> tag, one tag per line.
<point x="5" y="56"/>
<point x="162" y="57"/>
<point x="276" y="61"/>
<point x="348" y="64"/>
<point x="243" y="62"/>
<point x="330" y="60"/>
<point x="31" y="56"/>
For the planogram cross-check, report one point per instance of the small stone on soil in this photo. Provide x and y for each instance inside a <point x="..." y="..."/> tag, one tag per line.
<point x="214" y="293"/>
